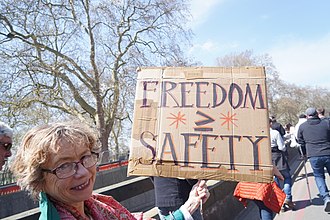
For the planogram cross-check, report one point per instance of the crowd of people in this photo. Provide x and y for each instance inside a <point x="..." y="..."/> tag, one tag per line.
<point x="56" y="164"/>
<point x="311" y="137"/>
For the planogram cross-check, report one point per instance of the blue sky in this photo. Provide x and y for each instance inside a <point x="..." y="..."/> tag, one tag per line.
<point x="296" y="34"/>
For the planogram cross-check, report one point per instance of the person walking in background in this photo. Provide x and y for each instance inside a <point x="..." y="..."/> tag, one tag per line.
<point x="267" y="196"/>
<point x="277" y="126"/>
<point x="287" y="138"/>
<point x="314" y="134"/>
<point x="6" y="142"/>
<point x="321" y="113"/>
<point x="280" y="160"/>
<point x="294" y="142"/>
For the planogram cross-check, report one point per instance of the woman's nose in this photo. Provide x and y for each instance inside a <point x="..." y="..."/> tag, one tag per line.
<point x="80" y="169"/>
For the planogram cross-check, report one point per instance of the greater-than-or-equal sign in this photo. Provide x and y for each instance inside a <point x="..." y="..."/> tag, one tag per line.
<point x="201" y="123"/>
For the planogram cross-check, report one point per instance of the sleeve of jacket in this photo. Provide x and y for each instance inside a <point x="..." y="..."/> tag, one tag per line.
<point x="301" y="139"/>
<point x="280" y="142"/>
<point x="282" y="130"/>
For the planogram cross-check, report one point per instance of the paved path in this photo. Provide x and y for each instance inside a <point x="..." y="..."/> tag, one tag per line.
<point x="305" y="210"/>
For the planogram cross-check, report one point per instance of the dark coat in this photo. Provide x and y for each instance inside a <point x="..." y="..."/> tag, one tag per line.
<point x="280" y="160"/>
<point x="277" y="126"/>
<point x="314" y="134"/>
<point x="172" y="192"/>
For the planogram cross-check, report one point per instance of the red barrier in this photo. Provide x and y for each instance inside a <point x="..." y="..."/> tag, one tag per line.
<point x="113" y="165"/>
<point x="9" y="189"/>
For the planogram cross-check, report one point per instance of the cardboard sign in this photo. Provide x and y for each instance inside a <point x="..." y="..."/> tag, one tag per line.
<point x="201" y="123"/>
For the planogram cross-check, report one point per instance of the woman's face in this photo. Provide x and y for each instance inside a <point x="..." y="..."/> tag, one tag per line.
<point x="76" y="188"/>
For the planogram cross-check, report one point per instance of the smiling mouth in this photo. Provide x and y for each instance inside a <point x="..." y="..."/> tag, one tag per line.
<point x="82" y="186"/>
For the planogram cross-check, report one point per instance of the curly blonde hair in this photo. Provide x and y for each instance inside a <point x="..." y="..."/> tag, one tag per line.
<point x="37" y="145"/>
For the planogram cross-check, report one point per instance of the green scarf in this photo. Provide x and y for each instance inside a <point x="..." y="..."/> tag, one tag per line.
<point x="47" y="209"/>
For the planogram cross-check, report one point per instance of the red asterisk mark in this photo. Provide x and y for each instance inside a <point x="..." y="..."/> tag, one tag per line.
<point x="177" y="119"/>
<point x="228" y="119"/>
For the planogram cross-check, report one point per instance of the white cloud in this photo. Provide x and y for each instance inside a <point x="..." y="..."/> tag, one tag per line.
<point x="200" y="9"/>
<point x="206" y="46"/>
<point x="204" y="52"/>
<point x="303" y="62"/>
<point x="207" y="51"/>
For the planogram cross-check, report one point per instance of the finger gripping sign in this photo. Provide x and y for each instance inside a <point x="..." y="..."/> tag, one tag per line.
<point x="201" y="123"/>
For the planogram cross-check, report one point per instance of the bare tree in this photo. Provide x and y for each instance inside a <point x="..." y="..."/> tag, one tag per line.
<point x="247" y="58"/>
<point x="79" y="57"/>
<point x="285" y="100"/>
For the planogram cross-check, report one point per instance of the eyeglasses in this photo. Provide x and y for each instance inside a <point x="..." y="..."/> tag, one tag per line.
<point x="5" y="145"/>
<point x="69" y="169"/>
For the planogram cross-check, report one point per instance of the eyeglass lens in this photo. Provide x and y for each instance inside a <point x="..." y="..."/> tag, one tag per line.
<point x="68" y="169"/>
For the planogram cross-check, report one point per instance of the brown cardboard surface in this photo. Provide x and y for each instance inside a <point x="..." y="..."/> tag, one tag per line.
<point x="201" y="123"/>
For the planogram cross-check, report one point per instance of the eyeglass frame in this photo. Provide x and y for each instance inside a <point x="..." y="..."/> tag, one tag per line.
<point x="53" y="171"/>
<point x="6" y="145"/>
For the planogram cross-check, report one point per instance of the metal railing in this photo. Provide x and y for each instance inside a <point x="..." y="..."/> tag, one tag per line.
<point x="6" y="177"/>
<point x="106" y="157"/>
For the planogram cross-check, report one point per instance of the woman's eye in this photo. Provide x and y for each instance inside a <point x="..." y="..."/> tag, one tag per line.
<point x="85" y="157"/>
<point x="65" y="166"/>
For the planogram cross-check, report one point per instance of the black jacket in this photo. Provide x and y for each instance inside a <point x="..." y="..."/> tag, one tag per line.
<point x="314" y="134"/>
<point x="172" y="192"/>
<point x="277" y="126"/>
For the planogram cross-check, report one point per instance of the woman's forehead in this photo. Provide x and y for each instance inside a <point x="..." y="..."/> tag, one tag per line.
<point x="67" y="150"/>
